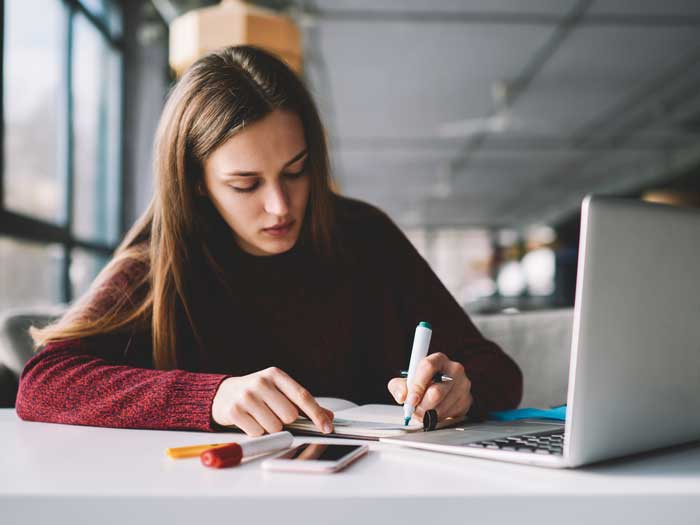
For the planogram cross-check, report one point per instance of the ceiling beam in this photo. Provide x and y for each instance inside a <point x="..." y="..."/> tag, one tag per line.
<point x="521" y="18"/>
<point x="520" y="83"/>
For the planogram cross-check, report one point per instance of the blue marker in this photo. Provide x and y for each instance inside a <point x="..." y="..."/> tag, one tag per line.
<point x="421" y="343"/>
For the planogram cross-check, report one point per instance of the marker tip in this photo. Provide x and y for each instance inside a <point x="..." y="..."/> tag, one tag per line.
<point x="406" y="420"/>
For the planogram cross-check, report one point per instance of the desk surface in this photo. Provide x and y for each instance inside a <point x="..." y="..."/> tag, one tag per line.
<point x="71" y="474"/>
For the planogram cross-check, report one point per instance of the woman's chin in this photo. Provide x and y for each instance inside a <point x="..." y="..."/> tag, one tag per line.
<point x="280" y="248"/>
<point x="273" y="246"/>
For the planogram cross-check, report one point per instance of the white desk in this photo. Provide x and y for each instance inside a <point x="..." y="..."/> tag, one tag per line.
<point x="63" y="474"/>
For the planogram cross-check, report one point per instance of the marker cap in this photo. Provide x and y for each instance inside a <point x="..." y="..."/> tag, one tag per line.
<point x="430" y="420"/>
<point x="221" y="457"/>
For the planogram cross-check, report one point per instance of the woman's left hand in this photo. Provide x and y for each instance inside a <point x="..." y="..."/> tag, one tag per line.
<point x="449" y="398"/>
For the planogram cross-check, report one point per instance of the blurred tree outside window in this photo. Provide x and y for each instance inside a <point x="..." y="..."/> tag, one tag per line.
<point x="96" y="132"/>
<point x="30" y="273"/>
<point x="34" y="109"/>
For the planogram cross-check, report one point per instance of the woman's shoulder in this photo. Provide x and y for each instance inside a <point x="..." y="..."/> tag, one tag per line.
<point x="127" y="268"/>
<point x="353" y="214"/>
<point x="364" y="231"/>
<point x="123" y="280"/>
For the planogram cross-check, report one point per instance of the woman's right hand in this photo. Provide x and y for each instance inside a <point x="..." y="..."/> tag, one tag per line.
<point x="264" y="401"/>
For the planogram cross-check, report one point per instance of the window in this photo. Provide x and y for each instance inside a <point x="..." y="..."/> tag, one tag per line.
<point x="96" y="129"/>
<point x="61" y="169"/>
<point x="34" y="120"/>
<point x="31" y="272"/>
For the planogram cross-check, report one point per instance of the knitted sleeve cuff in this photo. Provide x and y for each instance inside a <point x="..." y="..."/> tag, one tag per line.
<point x="190" y="400"/>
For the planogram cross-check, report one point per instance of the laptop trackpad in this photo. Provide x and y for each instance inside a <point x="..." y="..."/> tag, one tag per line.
<point x="479" y="431"/>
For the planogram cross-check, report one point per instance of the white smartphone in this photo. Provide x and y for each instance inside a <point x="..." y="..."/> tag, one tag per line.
<point x="316" y="457"/>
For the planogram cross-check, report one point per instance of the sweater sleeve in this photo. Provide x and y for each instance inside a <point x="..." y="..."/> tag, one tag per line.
<point x="496" y="380"/>
<point x="67" y="383"/>
<point x="108" y="381"/>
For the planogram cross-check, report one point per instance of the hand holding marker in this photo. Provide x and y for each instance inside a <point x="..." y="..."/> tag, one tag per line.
<point x="421" y="344"/>
<point x="435" y="386"/>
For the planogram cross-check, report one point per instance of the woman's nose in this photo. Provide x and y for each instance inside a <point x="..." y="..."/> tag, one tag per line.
<point x="276" y="200"/>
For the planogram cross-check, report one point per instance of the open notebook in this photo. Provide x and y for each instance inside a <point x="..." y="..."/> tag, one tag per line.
<point x="363" y="422"/>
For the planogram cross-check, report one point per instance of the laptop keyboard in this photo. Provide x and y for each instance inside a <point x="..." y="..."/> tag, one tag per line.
<point x="549" y="442"/>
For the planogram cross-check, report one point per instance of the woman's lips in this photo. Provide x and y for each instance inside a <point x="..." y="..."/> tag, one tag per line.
<point x="279" y="231"/>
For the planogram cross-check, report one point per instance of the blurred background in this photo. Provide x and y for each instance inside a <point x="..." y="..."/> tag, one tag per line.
<point x="477" y="125"/>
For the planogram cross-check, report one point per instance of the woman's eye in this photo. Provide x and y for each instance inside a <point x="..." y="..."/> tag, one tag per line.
<point x="246" y="189"/>
<point x="295" y="174"/>
<point x="291" y="175"/>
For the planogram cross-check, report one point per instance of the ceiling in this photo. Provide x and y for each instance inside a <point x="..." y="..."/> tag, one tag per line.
<point x="548" y="100"/>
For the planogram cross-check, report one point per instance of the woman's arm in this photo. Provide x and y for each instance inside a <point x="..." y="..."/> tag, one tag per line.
<point x="68" y="382"/>
<point x="494" y="380"/>
<point x="107" y="380"/>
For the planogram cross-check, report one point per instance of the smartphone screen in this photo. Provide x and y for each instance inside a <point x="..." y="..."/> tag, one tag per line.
<point x="319" y="452"/>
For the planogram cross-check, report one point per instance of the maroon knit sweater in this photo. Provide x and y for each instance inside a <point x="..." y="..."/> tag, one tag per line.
<point x="340" y="328"/>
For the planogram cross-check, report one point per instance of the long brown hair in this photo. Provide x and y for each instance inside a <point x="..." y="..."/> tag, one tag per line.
<point x="217" y="96"/>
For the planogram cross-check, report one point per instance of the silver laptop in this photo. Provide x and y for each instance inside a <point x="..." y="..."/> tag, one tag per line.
<point x="634" y="375"/>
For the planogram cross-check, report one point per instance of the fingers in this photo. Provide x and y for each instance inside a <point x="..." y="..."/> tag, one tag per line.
<point x="283" y="408"/>
<point x="397" y="387"/>
<point x="245" y="422"/>
<point x="452" y="399"/>
<point x="264" y="402"/>
<point x="261" y="413"/>
<point x="455" y="406"/>
<point x="424" y="377"/>
<point x="458" y="399"/>
<point x="449" y="399"/>
<point x="303" y="399"/>
<point x="433" y="396"/>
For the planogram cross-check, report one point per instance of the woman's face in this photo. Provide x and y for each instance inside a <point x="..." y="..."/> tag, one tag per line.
<point x="258" y="182"/>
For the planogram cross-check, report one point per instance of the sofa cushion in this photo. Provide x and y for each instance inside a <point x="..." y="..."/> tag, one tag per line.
<point x="540" y="342"/>
<point x="16" y="345"/>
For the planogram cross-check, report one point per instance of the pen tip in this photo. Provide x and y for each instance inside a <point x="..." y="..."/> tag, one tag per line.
<point x="406" y="420"/>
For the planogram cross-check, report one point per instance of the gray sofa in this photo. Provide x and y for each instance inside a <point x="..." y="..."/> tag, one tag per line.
<point x="16" y="345"/>
<point x="538" y="341"/>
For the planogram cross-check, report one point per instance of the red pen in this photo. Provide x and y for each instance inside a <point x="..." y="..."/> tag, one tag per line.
<point x="232" y="454"/>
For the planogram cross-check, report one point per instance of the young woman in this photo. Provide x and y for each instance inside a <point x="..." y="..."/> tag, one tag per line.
<point x="248" y="287"/>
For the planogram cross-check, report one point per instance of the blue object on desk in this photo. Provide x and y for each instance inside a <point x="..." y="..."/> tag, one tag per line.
<point x="557" y="413"/>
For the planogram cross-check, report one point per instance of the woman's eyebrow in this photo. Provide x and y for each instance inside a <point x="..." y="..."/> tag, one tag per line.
<point x="294" y="159"/>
